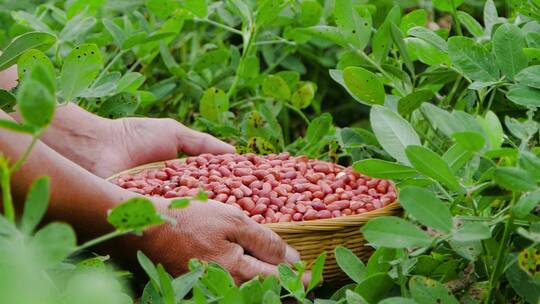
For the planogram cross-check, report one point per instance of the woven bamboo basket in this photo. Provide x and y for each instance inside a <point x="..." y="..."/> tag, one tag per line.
<point x="311" y="238"/>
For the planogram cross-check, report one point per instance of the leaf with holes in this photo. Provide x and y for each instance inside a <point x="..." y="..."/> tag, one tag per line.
<point x="80" y="69"/>
<point x="213" y="104"/>
<point x="364" y="85"/>
<point x="134" y="214"/>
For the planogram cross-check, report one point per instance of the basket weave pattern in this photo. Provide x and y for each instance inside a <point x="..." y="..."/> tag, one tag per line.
<point x="311" y="238"/>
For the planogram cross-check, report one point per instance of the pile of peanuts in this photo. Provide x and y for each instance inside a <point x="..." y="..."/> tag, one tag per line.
<point x="269" y="189"/>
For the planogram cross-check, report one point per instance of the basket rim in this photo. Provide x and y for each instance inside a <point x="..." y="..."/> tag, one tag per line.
<point x="331" y="224"/>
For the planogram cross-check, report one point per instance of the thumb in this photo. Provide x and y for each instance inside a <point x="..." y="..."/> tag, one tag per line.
<point x="194" y="142"/>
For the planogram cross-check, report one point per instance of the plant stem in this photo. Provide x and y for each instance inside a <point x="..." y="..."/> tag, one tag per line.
<point x="5" y="184"/>
<point x="245" y="52"/>
<point x="26" y="153"/>
<point x="297" y="111"/>
<point x="102" y="238"/>
<point x="401" y="280"/>
<point x="109" y="65"/>
<point x="221" y="25"/>
<point x="499" y="262"/>
<point x="455" y="19"/>
<point x="379" y="68"/>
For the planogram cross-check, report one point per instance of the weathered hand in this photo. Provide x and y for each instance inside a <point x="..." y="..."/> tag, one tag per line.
<point x="213" y="231"/>
<point x="135" y="141"/>
<point x="104" y="146"/>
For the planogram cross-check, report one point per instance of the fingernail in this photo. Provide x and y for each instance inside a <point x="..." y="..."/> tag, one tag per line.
<point x="291" y="255"/>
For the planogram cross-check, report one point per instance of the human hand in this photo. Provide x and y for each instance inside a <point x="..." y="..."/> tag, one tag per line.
<point x="213" y="231"/>
<point x="136" y="141"/>
<point x="105" y="147"/>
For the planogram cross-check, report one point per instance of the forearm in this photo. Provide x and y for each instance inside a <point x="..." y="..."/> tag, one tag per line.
<point x="75" y="133"/>
<point x="76" y="196"/>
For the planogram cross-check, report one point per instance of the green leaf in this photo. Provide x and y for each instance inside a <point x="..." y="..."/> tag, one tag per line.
<point x="425" y="52"/>
<point x="469" y="140"/>
<point x="289" y="280"/>
<point x="493" y="128"/>
<point x="268" y="11"/>
<point x="508" y="44"/>
<point x="179" y="203"/>
<point x="116" y="32"/>
<point x="380" y="260"/>
<point x="428" y="291"/>
<point x="471" y="24"/>
<point x="213" y="104"/>
<point x="530" y="162"/>
<point x="130" y="82"/>
<point x="330" y="33"/>
<point x="80" y="68"/>
<point x="526" y="203"/>
<point x="394" y="232"/>
<point x="446" y="5"/>
<point x="525" y="96"/>
<point x="31" y="40"/>
<point x="529" y="77"/>
<point x="317" y="271"/>
<point x="365" y="86"/>
<point x="456" y="157"/>
<point x="304" y="95"/>
<point x="318" y="128"/>
<point x="472" y="59"/>
<point x="354" y="298"/>
<point x="212" y="58"/>
<point x="77" y="26"/>
<point x="36" y="99"/>
<point x="350" y="263"/>
<point x="428" y="36"/>
<point x="162" y="8"/>
<point x="134" y="214"/>
<point x="7" y="100"/>
<point x="514" y="179"/>
<point x="52" y="244"/>
<point x="31" y="58"/>
<point x="35" y="205"/>
<point x="432" y="165"/>
<point x="418" y="17"/>
<point x="270" y="297"/>
<point x="382" y="40"/>
<point x="310" y="12"/>
<point x="183" y="284"/>
<point x="411" y="102"/>
<point x="355" y="29"/>
<point x="426" y="208"/>
<point x="522" y="283"/>
<point x="150" y="269"/>
<point x="471" y="231"/>
<point x="384" y="169"/>
<point x="393" y="132"/>
<point x="375" y="287"/>
<point x="166" y="286"/>
<point x="397" y="300"/>
<point x="490" y="16"/>
<point x="119" y="105"/>
<point x="197" y="7"/>
<point x="16" y="127"/>
<point x="275" y="87"/>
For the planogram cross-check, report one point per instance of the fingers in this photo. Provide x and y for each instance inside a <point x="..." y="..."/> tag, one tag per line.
<point x="264" y="244"/>
<point x="250" y="267"/>
<point x="194" y="142"/>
